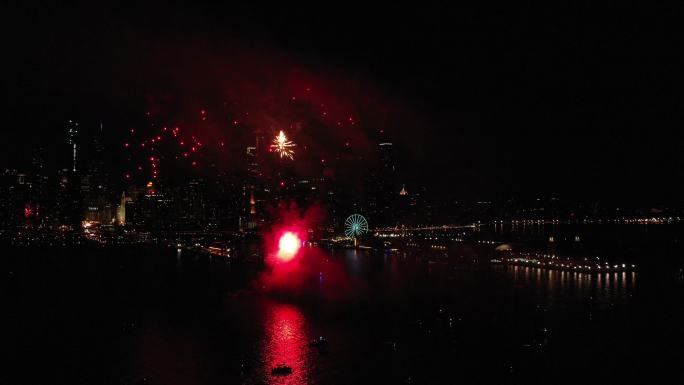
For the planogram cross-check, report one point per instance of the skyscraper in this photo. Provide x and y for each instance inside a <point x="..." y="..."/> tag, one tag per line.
<point x="254" y="190"/>
<point x="248" y="219"/>
<point x="95" y="191"/>
<point x="386" y="189"/>
<point x="97" y="164"/>
<point x="121" y="209"/>
<point x="387" y="157"/>
<point x="72" y="138"/>
<point x="67" y="200"/>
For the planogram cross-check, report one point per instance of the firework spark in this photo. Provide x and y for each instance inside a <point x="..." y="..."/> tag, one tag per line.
<point x="158" y="146"/>
<point x="283" y="146"/>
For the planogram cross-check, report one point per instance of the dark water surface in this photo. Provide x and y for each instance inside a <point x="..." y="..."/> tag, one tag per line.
<point x="158" y="316"/>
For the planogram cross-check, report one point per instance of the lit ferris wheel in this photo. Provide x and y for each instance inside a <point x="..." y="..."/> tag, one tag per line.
<point x="355" y="225"/>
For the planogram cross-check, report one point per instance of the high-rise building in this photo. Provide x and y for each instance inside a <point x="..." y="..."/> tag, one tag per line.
<point x="253" y="190"/>
<point x="253" y="169"/>
<point x="193" y="203"/>
<point x="387" y="157"/>
<point x="72" y="139"/>
<point x="98" y="201"/>
<point x="386" y="188"/>
<point x="67" y="200"/>
<point x="39" y="185"/>
<point x="37" y="161"/>
<point x="121" y="209"/>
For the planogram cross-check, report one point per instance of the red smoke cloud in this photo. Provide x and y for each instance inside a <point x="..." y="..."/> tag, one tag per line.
<point x="309" y="268"/>
<point x="224" y="95"/>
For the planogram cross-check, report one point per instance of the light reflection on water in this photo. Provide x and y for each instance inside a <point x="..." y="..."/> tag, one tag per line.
<point x="560" y="284"/>
<point x="285" y="342"/>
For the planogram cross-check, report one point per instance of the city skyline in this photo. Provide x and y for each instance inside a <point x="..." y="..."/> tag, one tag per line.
<point x="85" y="192"/>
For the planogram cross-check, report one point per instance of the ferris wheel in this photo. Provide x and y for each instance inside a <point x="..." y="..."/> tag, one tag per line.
<point x="355" y="225"/>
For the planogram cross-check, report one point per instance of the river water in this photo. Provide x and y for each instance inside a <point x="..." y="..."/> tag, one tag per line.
<point x="161" y="316"/>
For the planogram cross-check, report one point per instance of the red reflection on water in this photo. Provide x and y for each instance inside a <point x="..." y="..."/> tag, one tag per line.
<point x="285" y="343"/>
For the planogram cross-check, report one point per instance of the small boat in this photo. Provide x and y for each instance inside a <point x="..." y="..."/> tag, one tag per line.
<point x="281" y="370"/>
<point x="320" y="343"/>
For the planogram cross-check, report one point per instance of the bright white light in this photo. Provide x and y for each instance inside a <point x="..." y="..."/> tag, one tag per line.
<point x="288" y="245"/>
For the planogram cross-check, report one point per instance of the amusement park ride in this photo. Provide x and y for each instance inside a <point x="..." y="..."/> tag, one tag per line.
<point x="354" y="226"/>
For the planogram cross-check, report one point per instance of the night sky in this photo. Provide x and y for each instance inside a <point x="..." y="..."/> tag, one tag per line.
<point x="576" y="101"/>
